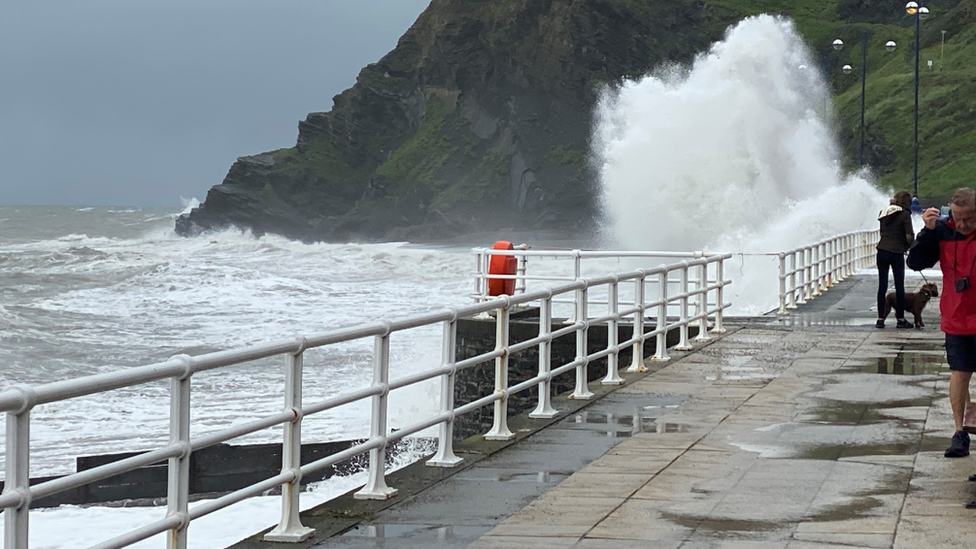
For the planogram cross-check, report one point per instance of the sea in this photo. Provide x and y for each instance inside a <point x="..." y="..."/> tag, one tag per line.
<point x="99" y="289"/>
<point x="92" y="290"/>
<point x="88" y="290"/>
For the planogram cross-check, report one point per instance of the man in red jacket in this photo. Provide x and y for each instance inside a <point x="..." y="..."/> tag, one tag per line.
<point x="952" y="243"/>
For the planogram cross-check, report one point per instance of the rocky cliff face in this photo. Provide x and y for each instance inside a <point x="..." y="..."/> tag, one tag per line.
<point x="479" y="119"/>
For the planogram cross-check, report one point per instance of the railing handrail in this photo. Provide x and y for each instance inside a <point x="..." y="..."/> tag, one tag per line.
<point x="18" y="400"/>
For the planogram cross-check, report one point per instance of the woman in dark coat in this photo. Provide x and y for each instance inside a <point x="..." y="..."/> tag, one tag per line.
<point x="897" y="235"/>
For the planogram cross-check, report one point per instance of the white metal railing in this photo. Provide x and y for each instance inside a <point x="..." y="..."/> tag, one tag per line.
<point x="560" y="271"/>
<point x="806" y="272"/>
<point x="17" y="401"/>
<point x="522" y="253"/>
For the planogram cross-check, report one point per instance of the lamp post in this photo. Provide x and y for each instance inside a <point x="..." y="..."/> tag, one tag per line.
<point x="838" y="44"/>
<point x="918" y="12"/>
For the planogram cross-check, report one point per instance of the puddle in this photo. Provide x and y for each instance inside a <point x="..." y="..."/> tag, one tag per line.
<point x="842" y="412"/>
<point x="923" y="346"/>
<point x="822" y="319"/>
<point x="860" y="504"/>
<point x="422" y="531"/>
<point x="907" y="364"/>
<point x="645" y="419"/>
<point x="534" y="477"/>
<point x="724" y="527"/>
<point x="839" y="415"/>
<point x="830" y="430"/>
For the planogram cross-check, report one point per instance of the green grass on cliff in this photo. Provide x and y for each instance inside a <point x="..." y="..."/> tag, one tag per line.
<point x="319" y="159"/>
<point x="947" y="93"/>
<point x="416" y="162"/>
<point x="947" y="103"/>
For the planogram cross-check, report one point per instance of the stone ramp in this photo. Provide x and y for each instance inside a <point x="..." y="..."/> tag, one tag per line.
<point x="779" y="434"/>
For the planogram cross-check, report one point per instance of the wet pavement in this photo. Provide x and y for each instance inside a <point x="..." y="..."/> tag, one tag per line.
<point x="812" y="431"/>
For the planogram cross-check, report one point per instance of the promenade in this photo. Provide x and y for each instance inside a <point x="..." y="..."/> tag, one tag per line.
<point x="811" y="431"/>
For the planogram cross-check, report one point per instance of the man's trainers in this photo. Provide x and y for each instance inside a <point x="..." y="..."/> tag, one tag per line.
<point x="880" y="323"/>
<point x="959" y="446"/>
<point x="902" y="323"/>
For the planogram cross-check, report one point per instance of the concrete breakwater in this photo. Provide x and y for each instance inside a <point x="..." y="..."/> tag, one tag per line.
<point x="214" y="470"/>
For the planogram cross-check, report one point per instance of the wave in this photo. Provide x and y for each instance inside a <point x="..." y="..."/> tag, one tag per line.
<point x="731" y="154"/>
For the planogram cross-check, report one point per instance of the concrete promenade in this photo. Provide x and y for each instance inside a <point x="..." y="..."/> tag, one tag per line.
<point x="813" y="431"/>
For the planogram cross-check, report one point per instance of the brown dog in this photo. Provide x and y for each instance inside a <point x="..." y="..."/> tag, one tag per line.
<point x="914" y="301"/>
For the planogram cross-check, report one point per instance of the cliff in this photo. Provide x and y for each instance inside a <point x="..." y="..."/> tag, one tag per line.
<point x="479" y="118"/>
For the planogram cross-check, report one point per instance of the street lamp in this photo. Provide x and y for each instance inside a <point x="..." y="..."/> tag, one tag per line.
<point x="919" y="13"/>
<point x="889" y="46"/>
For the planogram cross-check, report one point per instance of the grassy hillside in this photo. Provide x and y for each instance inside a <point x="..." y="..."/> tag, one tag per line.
<point x="947" y="91"/>
<point x="947" y="105"/>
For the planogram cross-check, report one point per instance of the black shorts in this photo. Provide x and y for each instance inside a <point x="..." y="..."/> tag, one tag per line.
<point x="961" y="352"/>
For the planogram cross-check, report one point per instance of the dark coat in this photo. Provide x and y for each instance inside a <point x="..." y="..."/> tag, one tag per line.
<point x="897" y="232"/>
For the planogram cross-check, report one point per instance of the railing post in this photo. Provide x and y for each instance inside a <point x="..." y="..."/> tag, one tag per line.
<point x="661" y="352"/>
<point x="801" y="281"/>
<point x="840" y="254"/>
<point x="822" y="250"/>
<point x="792" y="303"/>
<point x="851" y="255"/>
<point x="828" y="260"/>
<point x="719" y="296"/>
<point x="613" y="337"/>
<point x="16" y="520"/>
<point x="582" y="390"/>
<point x="703" y="304"/>
<point x="782" y="284"/>
<point x="178" y="485"/>
<point x="808" y="276"/>
<point x="376" y="487"/>
<point x="445" y="456"/>
<point x="683" y="344"/>
<point x="290" y="529"/>
<point x="544" y="409"/>
<point x="837" y="274"/>
<point x="577" y="274"/>
<point x="499" y="428"/>
<point x="848" y="271"/>
<point x="839" y="266"/>
<point x="818" y="271"/>
<point x="479" y="277"/>
<point x="637" y="364"/>
<point x="520" y="281"/>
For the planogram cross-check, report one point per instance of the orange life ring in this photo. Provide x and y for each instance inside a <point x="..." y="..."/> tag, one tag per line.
<point x="502" y="265"/>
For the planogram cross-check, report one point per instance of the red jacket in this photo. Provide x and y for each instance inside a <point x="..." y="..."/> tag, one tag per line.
<point x="956" y="253"/>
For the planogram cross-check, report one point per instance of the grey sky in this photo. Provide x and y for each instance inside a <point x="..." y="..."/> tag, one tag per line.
<point x="135" y="102"/>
